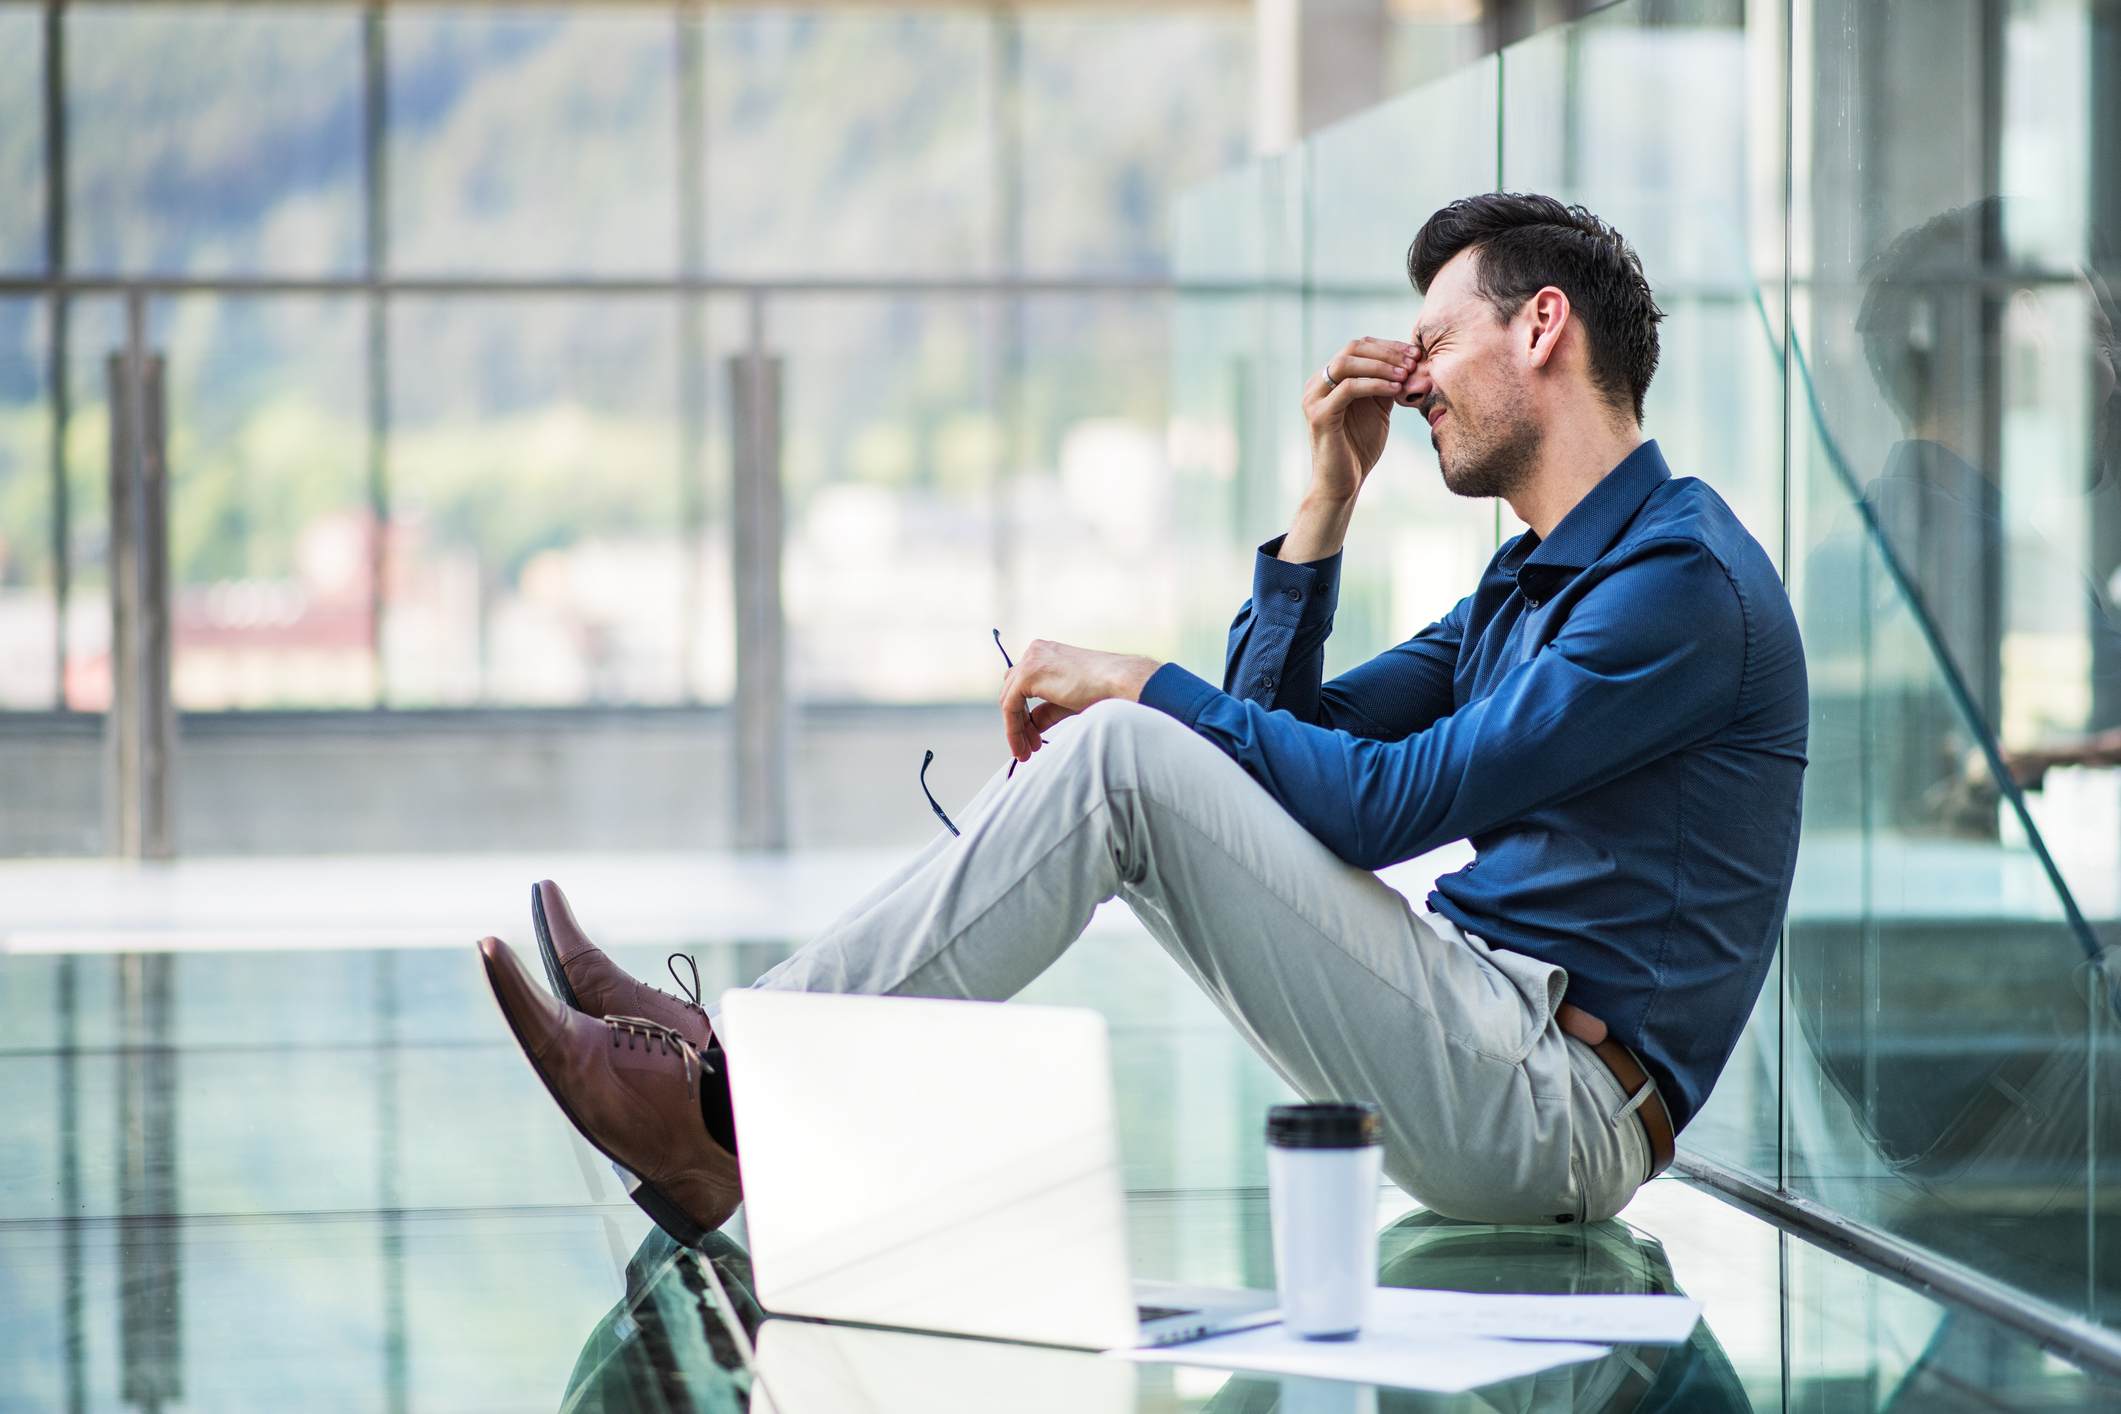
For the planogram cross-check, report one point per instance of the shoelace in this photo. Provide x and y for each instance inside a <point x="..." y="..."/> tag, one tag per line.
<point x="692" y="993"/>
<point x="639" y="1033"/>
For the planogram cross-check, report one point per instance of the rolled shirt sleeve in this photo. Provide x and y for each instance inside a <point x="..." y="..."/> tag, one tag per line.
<point x="1648" y="662"/>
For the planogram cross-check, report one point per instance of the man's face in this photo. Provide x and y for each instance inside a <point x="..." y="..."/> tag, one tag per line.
<point x="1470" y="388"/>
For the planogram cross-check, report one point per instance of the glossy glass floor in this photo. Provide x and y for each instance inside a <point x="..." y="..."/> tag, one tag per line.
<point x="247" y="1163"/>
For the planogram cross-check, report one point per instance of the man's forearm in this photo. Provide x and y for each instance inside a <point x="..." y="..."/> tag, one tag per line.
<point x="1320" y="526"/>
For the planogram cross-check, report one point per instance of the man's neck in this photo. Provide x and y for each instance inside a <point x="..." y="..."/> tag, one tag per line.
<point x="1567" y="469"/>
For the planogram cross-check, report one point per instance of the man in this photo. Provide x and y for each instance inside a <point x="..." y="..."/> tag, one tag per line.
<point x="1615" y="717"/>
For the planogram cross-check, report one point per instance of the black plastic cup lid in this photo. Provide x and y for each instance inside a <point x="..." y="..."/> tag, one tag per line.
<point x="1355" y="1126"/>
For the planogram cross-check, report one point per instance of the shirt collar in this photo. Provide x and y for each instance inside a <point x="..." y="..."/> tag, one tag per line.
<point x="1593" y="523"/>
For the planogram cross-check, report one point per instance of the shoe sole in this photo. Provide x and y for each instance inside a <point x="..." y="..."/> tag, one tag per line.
<point x="554" y="973"/>
<point x="651" y="1200"/>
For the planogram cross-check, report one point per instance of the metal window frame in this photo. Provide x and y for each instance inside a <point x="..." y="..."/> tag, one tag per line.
<point x="761" y="702"/>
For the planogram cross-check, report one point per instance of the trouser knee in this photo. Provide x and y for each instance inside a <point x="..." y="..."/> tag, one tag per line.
<point x="1117" y="728"/>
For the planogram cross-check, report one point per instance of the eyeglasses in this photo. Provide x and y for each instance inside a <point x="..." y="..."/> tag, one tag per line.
<point x="928" y="756"/>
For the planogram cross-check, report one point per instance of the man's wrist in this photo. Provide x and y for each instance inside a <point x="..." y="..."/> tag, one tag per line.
<point x="1132" y="676"/>
<point x="1320" y="527"/>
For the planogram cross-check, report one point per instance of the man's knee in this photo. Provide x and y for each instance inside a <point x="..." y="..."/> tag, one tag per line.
<point x="1117" y="714"/>
<point x="1107" y="741"/>
<point x="1124" y="745"/>
<point x="1117" y="728"/>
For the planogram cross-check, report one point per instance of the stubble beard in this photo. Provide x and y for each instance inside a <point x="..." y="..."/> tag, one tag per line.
<point x="1494" y="459"/>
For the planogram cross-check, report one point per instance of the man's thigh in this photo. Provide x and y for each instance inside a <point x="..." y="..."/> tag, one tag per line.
<point x="1348" y="991"/>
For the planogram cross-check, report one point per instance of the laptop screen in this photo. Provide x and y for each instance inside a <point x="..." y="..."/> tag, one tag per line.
<point x="938" y="1165"/>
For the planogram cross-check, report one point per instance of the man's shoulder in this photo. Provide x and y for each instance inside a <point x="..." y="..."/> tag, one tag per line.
<point x="1689" y="515"/>
<point x="1689" y="511"/>
<point x="1690" y="565"/>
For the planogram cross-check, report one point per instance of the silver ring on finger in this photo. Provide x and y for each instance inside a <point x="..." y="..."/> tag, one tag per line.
<point x="1327" y="374"/>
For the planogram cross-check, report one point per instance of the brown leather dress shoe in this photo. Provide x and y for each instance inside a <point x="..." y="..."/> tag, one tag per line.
<point x="633" y="1089"/>
<point x="587" y="980"/>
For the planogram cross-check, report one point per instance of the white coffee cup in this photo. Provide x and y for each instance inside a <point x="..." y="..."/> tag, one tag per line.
<point x="1323" y="1166"/>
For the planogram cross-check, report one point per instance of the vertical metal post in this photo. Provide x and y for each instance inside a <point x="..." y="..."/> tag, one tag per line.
<point x="692" y="346"/>
<point x="376" y="198"/>
<point x="70" y="1203"/>
<point x="1317" y="61"/>
<point x="1007" y="50"/>
<point x="151" y="1286"/>
<point x="55" y="186"/>
<point x="58" y="396"/>
<point x="2103" y="171"/>
<point x="762" y="711"/>
<point x="140" y="730"/>
<point x="1785" y="1027"/>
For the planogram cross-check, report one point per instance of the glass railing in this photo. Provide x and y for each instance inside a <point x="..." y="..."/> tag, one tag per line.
<point x="1933" y="1056"/>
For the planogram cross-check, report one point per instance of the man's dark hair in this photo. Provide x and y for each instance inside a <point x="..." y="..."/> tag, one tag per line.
<point x="1527" y="242"/>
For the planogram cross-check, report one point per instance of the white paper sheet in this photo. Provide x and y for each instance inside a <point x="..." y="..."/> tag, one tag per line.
<point x="1621" y="1320"/>
<point x="1376" y="1357"/>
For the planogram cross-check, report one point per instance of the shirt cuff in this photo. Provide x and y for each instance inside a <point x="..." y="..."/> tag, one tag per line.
<point x="1175" y="692"/>
<point x="1285" y="590"/>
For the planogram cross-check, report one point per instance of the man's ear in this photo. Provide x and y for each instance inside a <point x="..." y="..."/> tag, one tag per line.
<point x="1547" y="315"/>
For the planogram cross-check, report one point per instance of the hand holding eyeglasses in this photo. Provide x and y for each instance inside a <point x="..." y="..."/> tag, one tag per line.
<point x="1063" y="680"/>
<point x="1066" y="680"/>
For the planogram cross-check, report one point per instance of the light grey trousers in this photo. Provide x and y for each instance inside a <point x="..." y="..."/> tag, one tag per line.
<point x="1491" y="1112"/>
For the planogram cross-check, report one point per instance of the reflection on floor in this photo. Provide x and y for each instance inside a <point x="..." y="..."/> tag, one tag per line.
<point x="279" y="1174"/>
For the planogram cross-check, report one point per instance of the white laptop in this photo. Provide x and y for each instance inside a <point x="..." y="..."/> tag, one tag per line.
<point x="805" y="1367"/>
<point x="944" y="1166"/>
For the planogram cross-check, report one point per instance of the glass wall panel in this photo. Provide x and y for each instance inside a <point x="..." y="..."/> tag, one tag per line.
<point x="1432" y="39"/>
<point x="1952" y="1064"/>
<point x="1858" y="1341"/>
<point x="852" y="142"/>
<point x="22" y="215"/>
<point x="714" y="329"/>
<point x="214" y="139"/>
<point x="1939" y="1046"/>
<point x="1116" y="110"/>
<point x="1415" y="549"/>
<point x="532" y="142"/>
<point x="1586" y="118"/>
<point x="272" y="535"/>
<point x="891" y="443"/>
<point x="29" y="605"/>
<point x="1235" y="352"/>
<point x="535" y="553"/>
<point x="1095" y="551"/>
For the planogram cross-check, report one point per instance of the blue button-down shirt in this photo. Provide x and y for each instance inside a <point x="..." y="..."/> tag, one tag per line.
<point x="1615" y="718"/>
